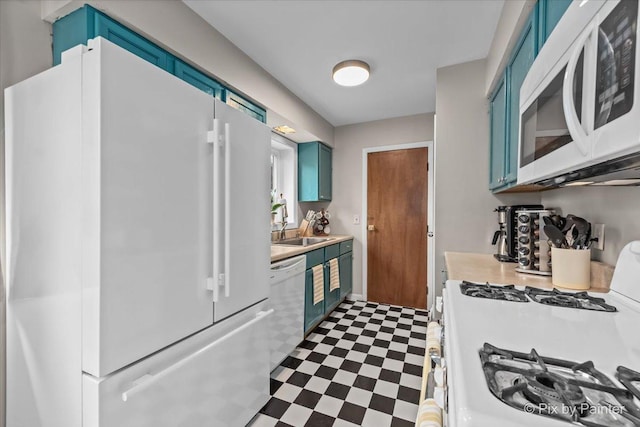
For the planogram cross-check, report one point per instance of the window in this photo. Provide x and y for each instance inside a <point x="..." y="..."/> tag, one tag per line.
<point x="284" y="165"/>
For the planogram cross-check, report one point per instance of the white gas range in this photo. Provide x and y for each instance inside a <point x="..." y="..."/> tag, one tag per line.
<point x="523" y="360"/>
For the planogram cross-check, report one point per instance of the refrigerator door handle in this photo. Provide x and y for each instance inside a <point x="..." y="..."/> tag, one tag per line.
<point x="227" y="208"/>
<point x="214" y="282"/>
<point x="147" y="380"/>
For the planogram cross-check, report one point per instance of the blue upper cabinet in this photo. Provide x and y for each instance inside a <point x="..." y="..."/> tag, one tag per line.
<point x="314" y="172"/>
<point x="198" y="79"/>
<point x="549" y="13"/>
<point x="504" y="103"/>
<point x="498" y="135"/>
<point x="521" y="60"/>
<point x="86" y="23"/>
<point x="240" y="103"/>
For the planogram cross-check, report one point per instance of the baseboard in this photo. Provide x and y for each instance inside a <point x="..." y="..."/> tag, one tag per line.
<point x="355" y="297"/>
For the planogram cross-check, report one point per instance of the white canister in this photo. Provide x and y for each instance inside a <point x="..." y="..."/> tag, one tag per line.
<point x="571" y="268"/>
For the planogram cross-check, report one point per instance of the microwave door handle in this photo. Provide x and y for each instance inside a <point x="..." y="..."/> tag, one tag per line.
<point x="573" y="124"/>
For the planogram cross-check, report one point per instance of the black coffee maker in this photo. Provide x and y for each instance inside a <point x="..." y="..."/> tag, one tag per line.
<point x="505" y="236"/>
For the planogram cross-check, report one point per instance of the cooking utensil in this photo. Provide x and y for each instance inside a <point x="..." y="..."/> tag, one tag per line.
<point x="580" y="231"/>
<point x="570" y="236"/>
<point x="558" y="221"/>
<point x="555" y="235"/>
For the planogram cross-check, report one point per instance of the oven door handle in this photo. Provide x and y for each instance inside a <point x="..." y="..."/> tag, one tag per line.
<point x="574" y="126"/>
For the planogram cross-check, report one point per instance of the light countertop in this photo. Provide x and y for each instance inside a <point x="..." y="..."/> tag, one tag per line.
<point x="482" y="268"/>
<point x="280" y="252"/>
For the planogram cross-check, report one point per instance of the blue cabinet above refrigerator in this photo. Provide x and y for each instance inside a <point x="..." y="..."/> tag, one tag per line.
<point x="87" y="23"/>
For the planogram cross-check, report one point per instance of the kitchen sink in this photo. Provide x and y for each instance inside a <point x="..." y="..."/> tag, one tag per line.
<point x="301" y="241"/>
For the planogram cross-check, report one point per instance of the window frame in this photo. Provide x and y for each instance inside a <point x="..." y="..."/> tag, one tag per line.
<point x="285" y="157"/>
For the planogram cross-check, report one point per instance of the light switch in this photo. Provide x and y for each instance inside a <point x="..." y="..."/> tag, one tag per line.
<point x="356" y="219"/>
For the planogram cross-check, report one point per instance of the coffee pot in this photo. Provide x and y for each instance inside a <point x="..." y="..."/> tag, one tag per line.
<point x="500" y="236"/>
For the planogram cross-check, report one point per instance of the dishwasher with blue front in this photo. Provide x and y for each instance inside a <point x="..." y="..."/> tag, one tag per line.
<point x="286" y="325"/>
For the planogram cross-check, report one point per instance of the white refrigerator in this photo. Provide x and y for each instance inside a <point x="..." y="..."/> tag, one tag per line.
<point x="137" y="247"/>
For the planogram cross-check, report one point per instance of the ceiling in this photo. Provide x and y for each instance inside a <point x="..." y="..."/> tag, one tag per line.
<point x="404" y="42"/>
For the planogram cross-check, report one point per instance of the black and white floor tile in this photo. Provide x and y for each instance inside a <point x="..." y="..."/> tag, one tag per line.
<point x="362" y="366"/>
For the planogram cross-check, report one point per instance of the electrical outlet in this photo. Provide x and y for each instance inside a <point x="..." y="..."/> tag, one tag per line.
<point x="356" y="219"/>
<point x="598" y="232"/>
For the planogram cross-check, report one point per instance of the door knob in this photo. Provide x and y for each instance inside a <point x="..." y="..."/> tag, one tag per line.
<point x="371" y="228"/>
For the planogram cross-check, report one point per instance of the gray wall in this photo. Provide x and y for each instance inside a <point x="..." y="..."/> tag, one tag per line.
<point x="464" y="220"/>
<point x="616" y="207"/>
<point x="350" y="140"/>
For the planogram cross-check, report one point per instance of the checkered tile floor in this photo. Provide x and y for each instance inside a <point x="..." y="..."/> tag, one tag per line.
<point x="362" y="366"/>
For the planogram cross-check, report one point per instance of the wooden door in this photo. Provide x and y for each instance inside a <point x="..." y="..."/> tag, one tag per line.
<point x="397" y="227"/>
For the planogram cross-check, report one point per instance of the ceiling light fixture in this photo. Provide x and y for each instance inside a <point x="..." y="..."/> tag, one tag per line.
<point x="351" y="73"/>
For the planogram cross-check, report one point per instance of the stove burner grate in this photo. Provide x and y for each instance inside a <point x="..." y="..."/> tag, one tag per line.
<point x="487" y="291"/>
<point x="579" y="300"/>
<point x="630" y="379"/>
<point x="573" y="392"/>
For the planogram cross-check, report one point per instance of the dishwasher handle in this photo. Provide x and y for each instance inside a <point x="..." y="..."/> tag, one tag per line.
<point x="288" y="265"/>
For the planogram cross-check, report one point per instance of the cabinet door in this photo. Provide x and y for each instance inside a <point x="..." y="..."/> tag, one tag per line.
<point x="198" y="79"/>
<point x="549" y="13"/>
<point x="134" y="43"/>
<point x="498" y="129"/>
<point x="324" y="171"/>
<point x="312" y="312"/>
<point x="314" y="172"/>
<point x="523" y="57"/>
<point x="332" y="297"/>
<point x="346" y="274"/>
<point x="240" y="103"/>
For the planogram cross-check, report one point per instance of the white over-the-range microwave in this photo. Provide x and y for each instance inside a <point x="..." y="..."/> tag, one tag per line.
<point x="580" y="101"/>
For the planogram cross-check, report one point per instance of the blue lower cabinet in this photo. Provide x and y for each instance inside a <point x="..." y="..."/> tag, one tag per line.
<point x="346" y="274"/>
<point x="332" y="298"/>
<point x="313" y="313"/>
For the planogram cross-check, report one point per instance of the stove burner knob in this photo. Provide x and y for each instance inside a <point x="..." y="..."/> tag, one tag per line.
<point x="524" y="229"/>
<point x="524" y="251"/>
<point x="524" y="240"/>
<point x="524" y="261"/>
<point x="523" y="219"/>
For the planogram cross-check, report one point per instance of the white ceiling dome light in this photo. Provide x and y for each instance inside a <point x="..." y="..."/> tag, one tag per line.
<point x="351" y="73"/>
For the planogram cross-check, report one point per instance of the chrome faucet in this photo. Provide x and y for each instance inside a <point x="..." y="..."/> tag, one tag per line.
<point x="285" y="215"/>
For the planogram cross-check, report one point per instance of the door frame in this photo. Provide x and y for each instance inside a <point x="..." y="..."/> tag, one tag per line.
<point x="430" y="211"/>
